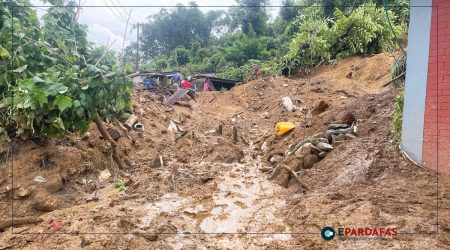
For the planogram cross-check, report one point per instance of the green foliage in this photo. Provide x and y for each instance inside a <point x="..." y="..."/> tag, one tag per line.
<point x="54" y="81"/>
<point x="120" y="185"/>
<point x="398" y="68"/>
<point x="180" y="27"/>
<point x="247" y="71"/>
<point x="397" y="117"/>
<point x="364" y="31"/>
<point x="181" y="56"/>
<point x="250" y="19"/>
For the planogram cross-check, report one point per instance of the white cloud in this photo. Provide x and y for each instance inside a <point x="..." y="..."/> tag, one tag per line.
<point x="104" y="22"/>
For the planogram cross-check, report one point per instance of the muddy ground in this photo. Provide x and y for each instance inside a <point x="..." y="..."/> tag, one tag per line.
<point x="191" y="187"/>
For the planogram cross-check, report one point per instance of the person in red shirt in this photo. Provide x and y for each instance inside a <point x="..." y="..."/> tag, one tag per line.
<point x="185" y="84"/>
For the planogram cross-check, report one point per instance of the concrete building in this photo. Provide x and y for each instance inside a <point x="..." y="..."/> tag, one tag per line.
<point x="426" y="115"/>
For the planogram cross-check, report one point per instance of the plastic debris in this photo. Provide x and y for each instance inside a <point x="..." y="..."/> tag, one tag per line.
<point x="284" y="127"/>
<point x="40" y="179"/>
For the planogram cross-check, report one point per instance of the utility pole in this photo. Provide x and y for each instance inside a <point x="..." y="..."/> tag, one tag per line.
<point x="137" y="49"/>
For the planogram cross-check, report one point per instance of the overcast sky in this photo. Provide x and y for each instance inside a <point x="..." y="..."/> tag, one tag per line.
<point x="108" y="23"/>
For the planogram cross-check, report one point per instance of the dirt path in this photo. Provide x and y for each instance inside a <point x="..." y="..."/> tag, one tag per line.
<point x="241" y="210"/>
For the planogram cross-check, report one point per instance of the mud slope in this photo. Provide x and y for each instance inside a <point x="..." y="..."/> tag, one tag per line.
<point x="210" y="191"/>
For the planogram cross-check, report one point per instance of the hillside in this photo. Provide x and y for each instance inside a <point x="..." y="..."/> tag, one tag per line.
<point x="213" y="192"/>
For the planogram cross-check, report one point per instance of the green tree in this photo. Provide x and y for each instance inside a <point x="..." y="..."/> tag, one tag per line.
<point x="250" y="14"/>
<point x="287" y="12"/>
<point x="180" y="27"/>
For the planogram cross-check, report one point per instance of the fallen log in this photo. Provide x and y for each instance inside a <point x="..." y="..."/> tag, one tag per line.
<point x="133" y="74"/>
<point x="121" y="126"/>
<point x="131" y="121"/>
<point x="19" y="222"/>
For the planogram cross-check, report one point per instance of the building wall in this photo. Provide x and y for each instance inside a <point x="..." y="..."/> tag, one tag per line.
<point x="436" y="135"/>
<point x="416" y="78"/>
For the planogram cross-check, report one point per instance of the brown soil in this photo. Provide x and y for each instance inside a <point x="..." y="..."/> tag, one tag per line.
<point x="212" y="192"/>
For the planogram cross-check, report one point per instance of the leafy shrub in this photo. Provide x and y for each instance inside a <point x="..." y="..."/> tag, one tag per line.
<point x="50" y="87"/>
<point x="398" y="68"/>
<point x="397" y="118"/>
<point x="364" y="31"/>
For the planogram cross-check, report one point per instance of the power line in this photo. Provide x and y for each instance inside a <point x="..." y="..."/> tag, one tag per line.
<point x="125" y="11"/>
<point x="114" y="13"/>
<point x="113" y="5"/>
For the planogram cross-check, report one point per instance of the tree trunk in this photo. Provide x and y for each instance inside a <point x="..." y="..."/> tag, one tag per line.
<point x="98" y="121"/>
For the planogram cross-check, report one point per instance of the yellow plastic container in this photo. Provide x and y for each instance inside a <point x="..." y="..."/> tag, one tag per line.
<point x="284" y="127"/>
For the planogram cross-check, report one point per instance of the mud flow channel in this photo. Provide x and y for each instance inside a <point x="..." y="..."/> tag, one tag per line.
<point x="241" y="210"/>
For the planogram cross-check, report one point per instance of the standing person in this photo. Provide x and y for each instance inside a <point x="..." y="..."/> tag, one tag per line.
<point x="206" y="84"/>
<point x="176" y="79"/>
<point x="186" y="84"/>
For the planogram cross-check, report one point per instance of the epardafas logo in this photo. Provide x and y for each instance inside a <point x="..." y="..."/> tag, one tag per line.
<point x="328" y="233"/>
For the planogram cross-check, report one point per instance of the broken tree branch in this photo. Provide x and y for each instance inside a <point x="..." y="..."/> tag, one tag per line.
<point x="98" y="121"/>
<point x="297" y="178"/>
<point x="395" y="79"/>
<point x="19" y="222"/>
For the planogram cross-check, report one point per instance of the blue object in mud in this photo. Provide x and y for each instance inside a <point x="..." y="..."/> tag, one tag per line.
<point x="149" y="84"/>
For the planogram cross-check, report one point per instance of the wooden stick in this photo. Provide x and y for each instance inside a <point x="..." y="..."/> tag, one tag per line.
<point x="294" y="174"/>
<point x="393" y="80"/>
<point x="19" y="222"/>
<point x="105" y="134"/>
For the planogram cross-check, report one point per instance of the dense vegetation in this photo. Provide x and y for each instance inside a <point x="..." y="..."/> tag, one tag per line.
<point x="304" y="34"/>
<point x="52" y="79"/>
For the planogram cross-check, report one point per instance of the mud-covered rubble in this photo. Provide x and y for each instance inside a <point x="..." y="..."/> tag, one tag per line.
<point x="306" y="153"/>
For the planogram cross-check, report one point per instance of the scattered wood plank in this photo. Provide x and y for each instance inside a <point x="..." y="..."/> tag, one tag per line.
<point x="235" y="134"/>
<point x="19" y="222"/>
<point x="180" y="93"/>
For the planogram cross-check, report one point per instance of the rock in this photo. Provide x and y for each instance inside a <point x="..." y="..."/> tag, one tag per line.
<point x="265" y="169"/>
<point x="303" y="150"/>
<point x="310" y="160"/>
<point x="46" y="204"/>
<point x="320" y="107"/>
<point x="349" y="137"/>
<point x="337" y="143"/>
<point x="150" y="236"/>
<point x="280" y="176"/>
<point x="275" y="159"/>
<point x="54" y="185"/>
<point x="164" y="131"/>
<point x="92" y="143"/>
<point x="287" y="104"/>
<point x="324" y="146"/>
<point x="157" y="162"/>
<point x="264" y="147"/>
<point x="104" y="147"/>
<point x="337" y="126"/>
<point x="22" y="192"/>
<point x="319" y="135"/>
<point x="85" y="136"/>
<point x="340" y="137"/>
<point x="266" y="115"/>
<point x="104" y="175"/>
<point x="114" y="133"/>
<point x="323" y="154"/>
